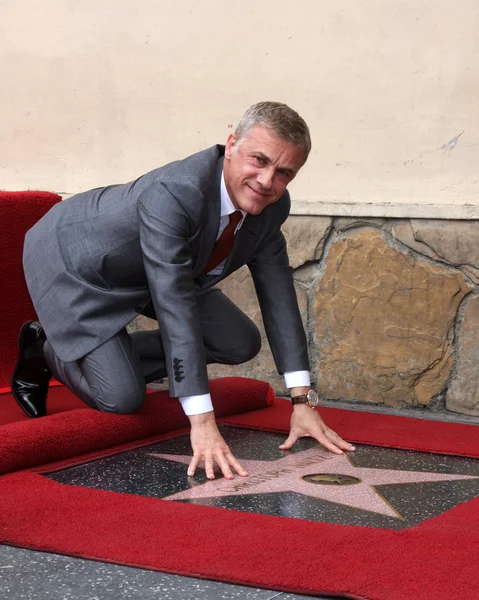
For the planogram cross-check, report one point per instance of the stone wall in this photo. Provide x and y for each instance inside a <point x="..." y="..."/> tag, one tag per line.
<point x="391" y="309"/>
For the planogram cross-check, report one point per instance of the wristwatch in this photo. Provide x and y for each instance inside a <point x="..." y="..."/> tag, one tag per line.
<point x="311" y="399"/>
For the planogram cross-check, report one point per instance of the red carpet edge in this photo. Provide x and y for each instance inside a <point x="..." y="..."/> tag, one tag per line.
<point x="73" y="430"/>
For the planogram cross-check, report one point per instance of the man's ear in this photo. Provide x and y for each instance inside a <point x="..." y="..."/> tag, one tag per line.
<point x="230" y="145"/>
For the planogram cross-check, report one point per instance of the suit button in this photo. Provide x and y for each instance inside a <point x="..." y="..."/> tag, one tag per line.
<point x="178" y="379"/>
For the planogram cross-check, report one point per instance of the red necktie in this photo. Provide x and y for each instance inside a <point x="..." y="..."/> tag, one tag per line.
<point x="224" y="244"/>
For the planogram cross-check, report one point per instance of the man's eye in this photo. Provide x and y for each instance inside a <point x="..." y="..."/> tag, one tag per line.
<point x="259" y="159"/>
<point x="284" y="173"/>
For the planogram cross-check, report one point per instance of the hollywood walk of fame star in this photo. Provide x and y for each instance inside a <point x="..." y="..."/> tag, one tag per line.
<point x="286" y="475"/>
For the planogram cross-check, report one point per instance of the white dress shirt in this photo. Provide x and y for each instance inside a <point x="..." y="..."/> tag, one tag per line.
<point x="198" y="404"/>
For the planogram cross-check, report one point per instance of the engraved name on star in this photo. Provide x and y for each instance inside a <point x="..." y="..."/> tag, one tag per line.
<point x="286" y="475"/>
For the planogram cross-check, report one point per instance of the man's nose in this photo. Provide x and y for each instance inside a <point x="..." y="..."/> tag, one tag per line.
<point x="265" y="177"/>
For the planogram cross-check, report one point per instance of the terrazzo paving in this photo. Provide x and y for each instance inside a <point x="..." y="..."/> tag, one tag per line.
<point x="373" y="486"/>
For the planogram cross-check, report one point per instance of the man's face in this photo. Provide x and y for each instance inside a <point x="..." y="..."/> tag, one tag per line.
<point x="258" y="168"/>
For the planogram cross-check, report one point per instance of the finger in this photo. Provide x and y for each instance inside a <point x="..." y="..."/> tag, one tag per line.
<point x="344" y="445"/>
<point x="338" y="441"/>
<point x="224" y="466"/>
<point x="192" y="466"/>
<point x="209" y="467"/>
<point x="323" y="440"/>
<point x="289" y="443"/>
<point x="237" y="466"/>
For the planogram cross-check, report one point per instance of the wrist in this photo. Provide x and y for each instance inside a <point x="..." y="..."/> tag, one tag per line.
<point x="299" y="391"/>
<point x="298" y="408"/>
<point x="202" y="419"/>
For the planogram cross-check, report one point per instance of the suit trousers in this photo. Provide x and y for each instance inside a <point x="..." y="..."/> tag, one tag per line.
<point x="113" y="377"/>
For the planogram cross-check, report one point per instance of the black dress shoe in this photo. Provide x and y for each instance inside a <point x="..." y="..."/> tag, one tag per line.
<point x="31" y="374"/>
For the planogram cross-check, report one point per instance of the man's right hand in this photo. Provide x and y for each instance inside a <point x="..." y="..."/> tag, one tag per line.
<point x="209" y="447"/>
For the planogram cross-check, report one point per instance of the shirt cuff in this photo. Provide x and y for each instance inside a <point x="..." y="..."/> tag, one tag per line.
<point x="196" y="405"/>
<point x="297" y="379"/>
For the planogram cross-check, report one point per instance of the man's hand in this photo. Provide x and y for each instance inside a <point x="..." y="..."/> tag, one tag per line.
<point x="209" y="446"/>
<point x="306" y="422"/>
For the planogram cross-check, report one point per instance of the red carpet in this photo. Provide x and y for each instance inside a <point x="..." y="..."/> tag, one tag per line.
<point x="432" y="561"/>
<point x="18" y="212"/>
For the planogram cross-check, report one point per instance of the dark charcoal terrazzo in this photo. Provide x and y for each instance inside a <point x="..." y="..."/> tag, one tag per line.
<point x="137" y="472"/>
<point x="390" y="458"/>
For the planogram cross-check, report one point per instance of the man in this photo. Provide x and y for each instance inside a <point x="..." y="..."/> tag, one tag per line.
<point x="156" y="246"/>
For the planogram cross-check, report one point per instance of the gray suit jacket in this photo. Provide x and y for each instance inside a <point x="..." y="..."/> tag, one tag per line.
<point x="96" y="260"/>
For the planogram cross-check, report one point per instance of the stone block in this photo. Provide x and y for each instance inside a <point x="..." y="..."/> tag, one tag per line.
<point x="463" y="392"/>
<point x="345" y="223"/>
<point x="307" y="274"/>
<point x="305" y="237"/>
<point x="384" y="322"/>
<point x="452" y="242"/>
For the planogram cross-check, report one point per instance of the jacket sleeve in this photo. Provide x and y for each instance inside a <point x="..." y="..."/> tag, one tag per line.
<point x="165" y="228"/>
<point x="273" y="280"/>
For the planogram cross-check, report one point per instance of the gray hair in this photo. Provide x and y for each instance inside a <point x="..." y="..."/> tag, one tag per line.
<point x="280" y="119"/>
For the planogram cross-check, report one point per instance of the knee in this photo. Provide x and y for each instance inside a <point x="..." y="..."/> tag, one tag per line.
<point x="245" y="346"/>
<point x="252" y="343"/>
<point x="122" y="402"/>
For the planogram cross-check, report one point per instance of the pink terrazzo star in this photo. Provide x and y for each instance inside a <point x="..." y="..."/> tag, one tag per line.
<point x="286" y="475"/>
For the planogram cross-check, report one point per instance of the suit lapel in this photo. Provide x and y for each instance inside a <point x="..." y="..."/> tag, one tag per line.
<point x="207" y="235"/>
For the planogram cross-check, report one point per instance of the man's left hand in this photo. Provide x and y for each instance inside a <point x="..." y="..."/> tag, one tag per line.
<point x="307" y="422"/>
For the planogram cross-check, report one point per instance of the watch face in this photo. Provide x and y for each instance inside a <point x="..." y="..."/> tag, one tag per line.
<point x="313" y="398"/>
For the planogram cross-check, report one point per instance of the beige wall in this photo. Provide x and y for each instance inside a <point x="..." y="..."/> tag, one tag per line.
<point x="99" y="91"/>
